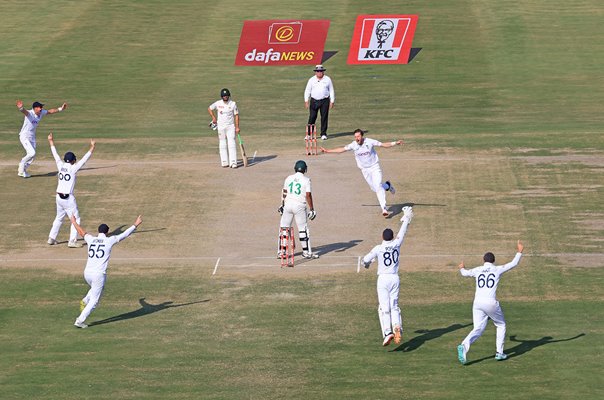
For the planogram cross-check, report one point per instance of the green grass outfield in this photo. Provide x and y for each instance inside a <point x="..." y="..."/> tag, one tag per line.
<point x="521" y="81"/>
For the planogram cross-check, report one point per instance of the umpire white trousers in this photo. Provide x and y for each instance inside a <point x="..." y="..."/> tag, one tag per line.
<point x="29" y="144"/>
<point x="96" y="281"/>
<point x="65" y="208"/>
<point x="481" y="312"/>
<point x="227" y="145"/>
<point x="373" y="176"/>
<point x="388" y="286"/>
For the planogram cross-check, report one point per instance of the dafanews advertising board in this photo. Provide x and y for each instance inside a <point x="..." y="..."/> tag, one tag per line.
<point x="282" y="42"/>
<point x="382" y="39"/>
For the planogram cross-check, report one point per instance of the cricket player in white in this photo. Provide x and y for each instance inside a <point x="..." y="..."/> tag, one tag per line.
<point x="95" y="273"/>
<point x="297" y="203"/>
<point x="485" y="302"/>
<point x="388" y="282"/>
<point x="66" y="202"/>
<point x="368" y="162"/>
<point x="228" y="126"/>
<point x="27" y="135"/>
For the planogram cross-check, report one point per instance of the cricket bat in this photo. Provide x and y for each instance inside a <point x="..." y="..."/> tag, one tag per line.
<point x="242" y="150"/>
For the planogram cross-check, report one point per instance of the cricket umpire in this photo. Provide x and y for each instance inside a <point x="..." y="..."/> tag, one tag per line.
<point x="319" y="95"/>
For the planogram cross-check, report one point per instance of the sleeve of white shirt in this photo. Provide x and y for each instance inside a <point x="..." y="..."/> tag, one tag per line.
<point x="332" y="92"/>
<point x="511" y="264"/>
<point x="81" y="163"/>
<point x="55" y="155"/>
<point x="235" y="109"/>
<point x="307" y="90"/>
<point x="466" y="272"/>
<point x="371" y="255"/>
<point x="213" y="106"/>
<point x="401" y="233"/>
<point x="125" y="234"/>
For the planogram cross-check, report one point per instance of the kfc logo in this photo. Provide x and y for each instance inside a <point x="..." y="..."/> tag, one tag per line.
<point x="382" y="39"/>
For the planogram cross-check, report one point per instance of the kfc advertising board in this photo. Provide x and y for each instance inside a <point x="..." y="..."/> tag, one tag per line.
<point x="382" y="39"/>
<point x="282" y="42"/>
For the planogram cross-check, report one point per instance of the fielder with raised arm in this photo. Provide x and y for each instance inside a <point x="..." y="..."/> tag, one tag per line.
<point x="485" y="302"/>
<point x="369" y="164"/>
<point x="95" y="273"/>
<point x="297" y="202"/>
<point x="388" y="282"/>
<point x="27" y="135"/>
<point x="66" y="202"/>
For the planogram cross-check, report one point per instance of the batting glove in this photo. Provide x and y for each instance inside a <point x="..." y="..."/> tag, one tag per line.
<point x="280" y="210"/>
<point x="366" y="264"/>
<point x="312" y="214"/>
<point x="407" y="214"/>
<point x="213" y="126"/>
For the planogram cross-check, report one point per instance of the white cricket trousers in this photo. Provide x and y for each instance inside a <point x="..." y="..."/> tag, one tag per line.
<point x="227" y="145"/>
<point x="481" y="312"/>
<point x="389" y="312"/>
<point x="373" y="176"/>
<point x="65" y="208"/>
<point x="29" y="144"/>
<point x="294" y="209"/>
<point x="96" y="281"/>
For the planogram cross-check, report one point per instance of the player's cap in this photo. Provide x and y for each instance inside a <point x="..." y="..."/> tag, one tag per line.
<point x="225" y="92"/>
<point x="319" y="68"/>
<point x="37" y="104"/>
<point x="104" y="228"/>
<point x="69" y="157"/>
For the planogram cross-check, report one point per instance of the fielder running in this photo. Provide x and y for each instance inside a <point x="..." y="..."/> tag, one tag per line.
<point x="66" y="202"/>
<point x="368" y="161"/>
<point x="297" y="203"/>
<point x="95" y="273"/>
<point x="228" y="126"/>
<point x="388" y="282"/>
<point x="27" y="135"/>
<point x="485" y="302"/>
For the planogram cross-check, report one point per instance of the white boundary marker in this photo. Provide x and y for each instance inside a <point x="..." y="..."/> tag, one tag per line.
<point x="216" y="266"/>
<point x="359" y="265"/>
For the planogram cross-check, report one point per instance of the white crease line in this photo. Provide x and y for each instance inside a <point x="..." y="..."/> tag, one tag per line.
<point x="359" y="265"/>
<point x="216" y="266"/>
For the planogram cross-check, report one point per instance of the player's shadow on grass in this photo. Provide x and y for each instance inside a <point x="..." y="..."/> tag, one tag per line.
<point x="122" y="228"/>
<point x="524" y="346"/>
<point x="396" y="209"/>
<point x="49" y="174"/>
<point x="335" y="247"/>
<point x="257" y="160"/>
<point x="426" y="335"/>
<point x="145" y="309"/>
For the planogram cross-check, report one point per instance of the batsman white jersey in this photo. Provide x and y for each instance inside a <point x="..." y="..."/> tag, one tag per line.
<point x="294" y="205"/>
<point x="95" y="273"/>
<point x="225" y="119"/>
<point x="388" y="283"/>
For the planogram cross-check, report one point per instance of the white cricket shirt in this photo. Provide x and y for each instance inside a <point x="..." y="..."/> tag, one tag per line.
<point x="487" y="278"/>
<point x="67" y="172"/>
<point x="365" y="154"/>
<point x="30" y="123"/>
<point x="225" y="112"/>
<point x="99" y="249"/>
<point x="388" y="253"/>
<point x="320" y="89"/>
<point x="297" y="185"/>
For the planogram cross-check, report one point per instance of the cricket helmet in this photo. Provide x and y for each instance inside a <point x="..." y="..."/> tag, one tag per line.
<point x="225" y="92"/>
<point x="300" y="166"/>
<point x="69" y="157"/>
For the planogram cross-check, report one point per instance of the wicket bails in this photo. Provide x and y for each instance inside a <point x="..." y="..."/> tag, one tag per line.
<point x="311" y="139"/>
<point x="287" y="246"/>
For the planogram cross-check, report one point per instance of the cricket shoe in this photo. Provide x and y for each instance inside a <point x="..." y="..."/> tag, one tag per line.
<point x="385" y="213"/>
<point x="390" y="187"/>
<point x="323" y="137"/>
<point x="461" y="354"/>
<point x="79" y="324"/>
<point x="280" y="254"/>
<point x="500" y="356"/>
<point x="388" y="339"/>
<point x="233" y="166"/>
<point x="309" y="255"/>
<point x="74" y="244"/>
<point x="52" y="241"/>
<point x="24" y="174"/>
<point x="398" y="334"/>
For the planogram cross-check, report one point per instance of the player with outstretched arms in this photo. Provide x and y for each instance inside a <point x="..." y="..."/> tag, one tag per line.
<point x="95" y="273"/>
<point x="388" y="283"/>
<point x="485" y="302"/>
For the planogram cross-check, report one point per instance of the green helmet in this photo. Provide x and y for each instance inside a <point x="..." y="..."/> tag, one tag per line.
<point x="300" y="166"/>
<point x="225" y="92"/>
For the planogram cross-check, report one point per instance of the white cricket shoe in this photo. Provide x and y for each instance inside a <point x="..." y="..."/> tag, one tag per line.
<point x="74" y="244"/>
<point x="79" y="324"/>
<point x="390" y="187"/>
<point x="501" y="356"/>
<point x="388" y="339"/>
<point x="52" y="241"/>
<point x="24" y="174"/>
<point x="385" y="213"/>
<point x="309" y="255"/>
<point x="233" y="166"/>
<point x="323" y="137"/>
